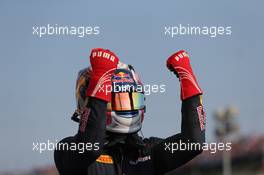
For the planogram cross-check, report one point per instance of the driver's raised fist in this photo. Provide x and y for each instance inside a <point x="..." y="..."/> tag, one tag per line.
<point x="103" y="63"/>
<point x="179" y="63"/>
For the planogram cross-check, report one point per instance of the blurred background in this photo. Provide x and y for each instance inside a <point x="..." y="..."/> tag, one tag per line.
<point x="38" y="75"/>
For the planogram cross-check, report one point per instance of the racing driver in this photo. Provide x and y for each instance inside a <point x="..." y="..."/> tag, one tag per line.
<point x="111" y="108"/>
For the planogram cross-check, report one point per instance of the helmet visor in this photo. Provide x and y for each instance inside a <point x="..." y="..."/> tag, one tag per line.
<point x="126" y="101"/>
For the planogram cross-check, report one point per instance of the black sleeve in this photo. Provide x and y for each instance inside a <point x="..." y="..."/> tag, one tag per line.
<point x="91" y="134"/>
<point x="167" y="154"/>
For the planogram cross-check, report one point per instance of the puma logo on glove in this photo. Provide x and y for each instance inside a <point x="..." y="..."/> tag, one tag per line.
<point x="103" y="64"/>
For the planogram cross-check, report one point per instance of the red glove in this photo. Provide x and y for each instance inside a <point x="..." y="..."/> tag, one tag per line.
<point x="179" y="63"/>
<point x="103" y="63"/>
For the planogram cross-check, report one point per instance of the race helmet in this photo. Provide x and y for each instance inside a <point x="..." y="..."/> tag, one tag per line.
<point x="125" y="111"/>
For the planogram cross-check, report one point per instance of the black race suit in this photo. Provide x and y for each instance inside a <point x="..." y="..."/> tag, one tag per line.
<point x="122" y="154"/>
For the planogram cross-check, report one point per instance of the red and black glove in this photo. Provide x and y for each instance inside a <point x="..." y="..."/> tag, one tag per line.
<point x="103" y="63"/>
<point x="179" y="63"/>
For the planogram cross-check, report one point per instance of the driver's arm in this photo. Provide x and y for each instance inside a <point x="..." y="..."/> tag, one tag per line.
<point x="167" y="154"/>
<point x="91" y="132"/>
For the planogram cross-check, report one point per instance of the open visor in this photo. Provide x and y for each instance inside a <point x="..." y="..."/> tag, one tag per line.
<point x="126" y="101"/>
